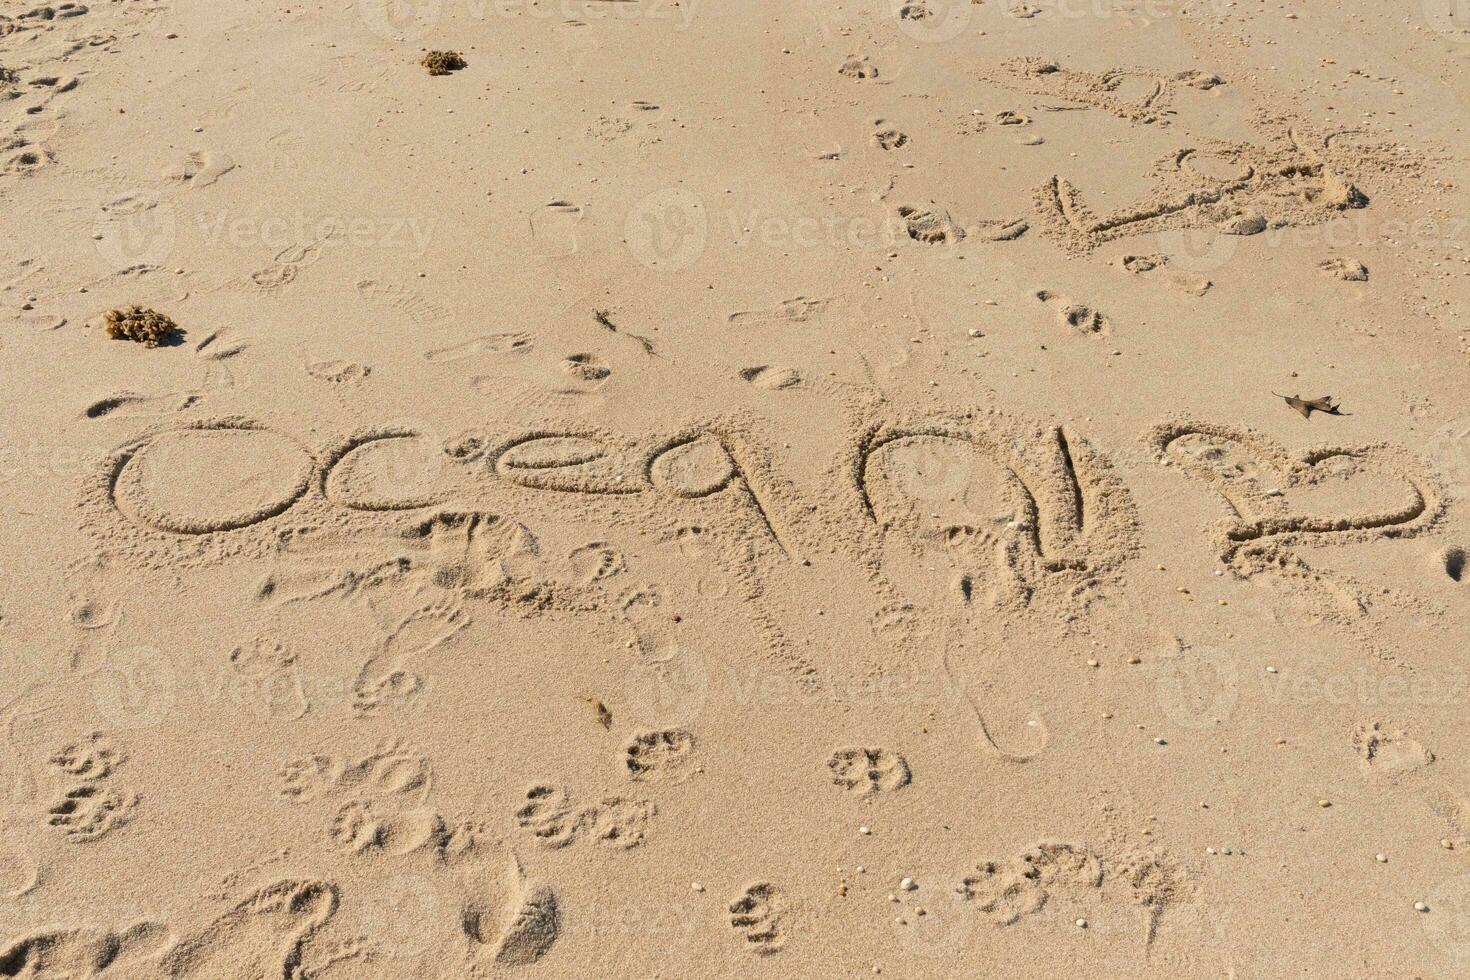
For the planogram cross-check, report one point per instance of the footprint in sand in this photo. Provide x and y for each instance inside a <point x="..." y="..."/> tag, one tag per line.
<point x="661" y="756"/>
<point x="554" y="229"/>
<point x="201" y="168"/>
<point x="1138" y="265"/>
<point x="402" y="303"/>
<point x="524" y="930"/>
<point x="586" y="367"/>
<point x="492" y="343"/>
<point x="1452" y="561"/>
<point x="269" y="674"/>
<point x="1346" y="269"/>
<point x="857" y="67"/>
<point x="772" y="377"/>
<point x="758" y="916"/>
<point x="78" y="954"/>
<point x="886" y="137"/>
<point x="261" y="938"/>
<point x="1077" y="317"/>
<point x="88" y="812"/>
<point x="553" y="822"/>
<point x="338" y="372"/>
<point x="865" y="771"/>
<point x="88" y="806"/>
<point x="127" y="405"/>
<point x="799" y="309"/>
<point x="931" y="227"/>
<point x="362" y="827"/>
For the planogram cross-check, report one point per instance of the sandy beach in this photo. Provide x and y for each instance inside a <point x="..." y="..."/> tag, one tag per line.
<point x="671" y="489"/>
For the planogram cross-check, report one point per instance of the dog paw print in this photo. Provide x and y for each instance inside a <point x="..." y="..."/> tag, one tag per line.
<point x="307" y="778"/>
<point x="89" y="811"/>
<point x="661" y="755"/>
<point x="617" y="822"/>
<point x="547" y="814"/>
<point x="552" y="820"/>
<point x="1003" y="893"/>
<point x="759" y="916"/>
<point x="866" y="771"/>
<point x="94" y="757"/>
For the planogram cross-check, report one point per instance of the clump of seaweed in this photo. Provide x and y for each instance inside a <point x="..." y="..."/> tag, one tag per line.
<point x="8" y="76"/>
<point x="443" y="62"/>
<point x="147" y="327"/>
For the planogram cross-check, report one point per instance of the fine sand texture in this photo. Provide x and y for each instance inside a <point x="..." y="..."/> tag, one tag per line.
<point x="682" y="489"/>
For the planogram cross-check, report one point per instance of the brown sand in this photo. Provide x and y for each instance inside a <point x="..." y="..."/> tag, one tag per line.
<point x="736" y="489"/>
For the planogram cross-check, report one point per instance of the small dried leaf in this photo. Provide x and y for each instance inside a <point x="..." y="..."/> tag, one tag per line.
<point x="604" y="716"/>
<point x="1306" y="406"/>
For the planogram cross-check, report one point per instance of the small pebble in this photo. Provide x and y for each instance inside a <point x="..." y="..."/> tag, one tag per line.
<point x="1324" y="804"/>
<point x="1270" y="670"/>
<point x="697" y="886"/>
<point x="1160" y="741"/>
<point x="908" y="884"/>
<point x="1081" y="923"/>
<point x="1420" y="907"/>
<point x="864" y="830"/>
<point x="1381" y="858"/>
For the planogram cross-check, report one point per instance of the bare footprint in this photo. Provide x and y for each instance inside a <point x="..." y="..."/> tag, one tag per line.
<point x="796" y="310"/>
<point x="772" y="377"/>
<point x="494" y="343"/>
<point x="1076" y="316"/>
<point x="201" y="168"/>
<point x="260" y="938"/>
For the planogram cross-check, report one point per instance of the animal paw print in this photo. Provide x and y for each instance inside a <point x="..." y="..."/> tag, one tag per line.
<point x="547" y="814"/>
<point x="88" y="806"/>
<point x="307" y="778"/>
<point x="618" y="822"/>
<point x="91" y="810"/>
<point x="661" y="755"/>
<point x="1004" y="894"/>
<point x="866" y="771"/>
<point x="94" y="757"/>
<point x="552" y="820"/>
<point x="759" y="915"/>
<point x="359" y="828"/>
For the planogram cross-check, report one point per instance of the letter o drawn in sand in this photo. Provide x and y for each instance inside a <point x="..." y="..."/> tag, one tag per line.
<point x="213" y="475"/>
<point x="696" y="468"/>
